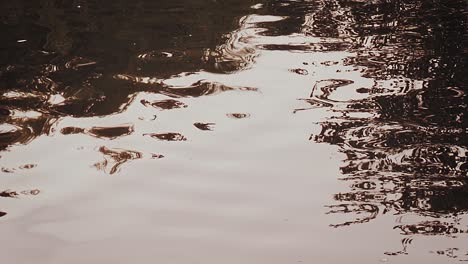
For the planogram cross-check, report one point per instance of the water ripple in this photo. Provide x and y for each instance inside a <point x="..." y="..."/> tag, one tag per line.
<point x="101" y="132"/>
<point x="167" y="136"/>
<point x="115" y="158"/>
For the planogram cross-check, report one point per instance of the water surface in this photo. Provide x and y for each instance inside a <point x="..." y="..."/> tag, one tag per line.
<point x="233" y="131"/>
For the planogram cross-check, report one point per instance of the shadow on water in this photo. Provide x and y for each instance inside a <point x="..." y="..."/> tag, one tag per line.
<point x="404" y="138"/>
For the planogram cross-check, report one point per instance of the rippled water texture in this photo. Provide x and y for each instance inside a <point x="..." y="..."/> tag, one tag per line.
<point x="233" y="131"/>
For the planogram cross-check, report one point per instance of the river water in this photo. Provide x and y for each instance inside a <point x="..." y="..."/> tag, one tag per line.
<point x="233" y="131"/>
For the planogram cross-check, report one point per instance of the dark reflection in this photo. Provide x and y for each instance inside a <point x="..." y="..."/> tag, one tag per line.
<point x="61" y="58"/>
<point x="300" y="71"/>
<point x="430" y="228"/>
<point x="165" y="104"/>
<point x="115" y="158"/>
<point x="409" y="153"/>
<point x="15" y="194"/>
<point x="22" y="167"/>
<point x="101" y="132"/>
<point x="157" y="156"/>
<point x="23" y="130"/>
<point x="204" y="126"/>
<point x="9" y="194"/>
<point x="403" y="137"/>
<point x="238" y="115"/>
<point x="200" y="88"/>
<point x="167" y="136"/>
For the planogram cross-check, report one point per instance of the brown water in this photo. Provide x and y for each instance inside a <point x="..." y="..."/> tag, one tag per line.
<point x="231" y="131"/>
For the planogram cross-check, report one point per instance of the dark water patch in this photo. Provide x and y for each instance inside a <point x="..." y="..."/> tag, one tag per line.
<point x="197" y="89"/>
<point x="22" y="167"/>
<point x="72" y="130"/>
<point x="430" y="228"/>
<point x="164" y="104"/>
<point x="326" y="93"/>
<point x="387" y="147"/>
<point x="15" y="194"/>
<point x="11" y="134"/>
<point x="54" y="50"/>
<point x="160" y="55"/>
<point x="4" y="112"/>
<point x="363" y="212"/>
<point x="111" y="132"/>
<point x="238" y="115"/>
<point x="413" y="147"/>
<point x="299" y="71"/>
<point x="329" y="63"/>
<point x="79" y="62"/>
<point x="167" y="136"/>
<point x="204" y="126"/>
<point x="314" y="105"/>
<point x="402" y="137"/>
<point x="9" y="194"/>
<point x="115" y="158"/>
<point x="324" y="88"/>
<point x="100" y="132"/>
<point x="157" y="156"/>
<point x="312" y="47"/>
<point x="7" y="170"/>
<point x="201" y="88"/>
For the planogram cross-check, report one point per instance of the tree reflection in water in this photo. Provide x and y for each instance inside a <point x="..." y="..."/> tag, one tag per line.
<point x="409" y="156"/>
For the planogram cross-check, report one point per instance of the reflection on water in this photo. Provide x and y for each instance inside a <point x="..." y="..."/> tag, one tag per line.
<point x="100" y="132"/>
<point x="165" y="104"/>
<point x="14" y="194"/>
<point x="409" y="154"/>
<point x="204" y="126"/>
<point x="167" y="136"/>
<point x="238" y="115"/>
<point x="382" y="82"/>
<point x="114" y="158"/>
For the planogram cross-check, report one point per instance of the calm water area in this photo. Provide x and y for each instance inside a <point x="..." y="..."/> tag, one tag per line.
<point x="233" y="131"/>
